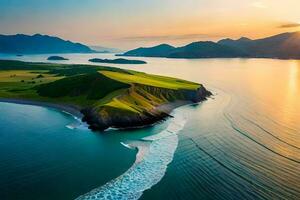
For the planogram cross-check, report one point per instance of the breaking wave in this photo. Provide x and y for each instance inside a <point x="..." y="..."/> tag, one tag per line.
<point x="155" y="153"/>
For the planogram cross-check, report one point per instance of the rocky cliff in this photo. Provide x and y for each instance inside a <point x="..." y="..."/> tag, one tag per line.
<point x="148" y="105"/>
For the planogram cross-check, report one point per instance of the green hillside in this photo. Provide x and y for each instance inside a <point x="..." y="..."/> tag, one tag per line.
<point x="93" y="86"/>
<point x="106" y="96"/>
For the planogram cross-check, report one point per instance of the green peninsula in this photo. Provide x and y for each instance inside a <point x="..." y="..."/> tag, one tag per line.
<point x="105" y="96"/>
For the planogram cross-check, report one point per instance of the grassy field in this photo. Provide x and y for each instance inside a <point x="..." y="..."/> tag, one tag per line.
<point x="108" y="91"/>
<point x="153" y="80"/>
<point x="19" y="83"/>
<point x="33" y="81"/>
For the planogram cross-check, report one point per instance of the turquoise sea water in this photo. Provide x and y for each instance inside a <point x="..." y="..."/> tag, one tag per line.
<point x="40" y="158"/>
<point x="244" y="143"/>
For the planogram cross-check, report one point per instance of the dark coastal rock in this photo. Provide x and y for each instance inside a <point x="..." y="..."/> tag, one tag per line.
<point x="127" y="119"/>
<point x="56" y="58"/>
<point x="121" y="121"/>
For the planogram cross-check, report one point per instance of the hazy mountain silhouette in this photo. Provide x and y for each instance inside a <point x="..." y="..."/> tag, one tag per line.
<point x="162" y="50"/>
<point x="205" y="50"/>
<point x="285" y="46"/>
<point x="101" y="49"/>
<point x="39" y="44"/>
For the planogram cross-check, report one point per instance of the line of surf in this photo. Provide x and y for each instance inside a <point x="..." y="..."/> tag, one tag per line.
<point x="154" y="155"/>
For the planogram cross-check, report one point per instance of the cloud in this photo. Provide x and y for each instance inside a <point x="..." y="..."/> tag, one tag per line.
<point x="259" y="4"/>
<point x="289" y="25"/>
<point x="168" y="37"/>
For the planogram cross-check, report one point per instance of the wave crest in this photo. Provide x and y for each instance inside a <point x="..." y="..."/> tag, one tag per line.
<point x="149" y="168"/>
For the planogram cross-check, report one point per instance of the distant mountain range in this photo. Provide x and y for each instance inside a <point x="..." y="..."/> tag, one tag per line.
<point x="39" y="44"/>
<point x="284" y="46"/>
<point x="101" y="49"/>
<point x="162" y="50"/>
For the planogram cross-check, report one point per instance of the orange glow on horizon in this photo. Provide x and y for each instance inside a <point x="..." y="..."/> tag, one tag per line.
<point x="126" y="25"/>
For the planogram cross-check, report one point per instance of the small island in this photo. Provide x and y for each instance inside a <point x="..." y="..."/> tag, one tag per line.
<point x="101" y="96"/>
<point x="56" y="58"/>
<point x="117" y="61"/>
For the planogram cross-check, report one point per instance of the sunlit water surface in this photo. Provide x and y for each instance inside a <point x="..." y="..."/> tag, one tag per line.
<point x="243" y="143"/>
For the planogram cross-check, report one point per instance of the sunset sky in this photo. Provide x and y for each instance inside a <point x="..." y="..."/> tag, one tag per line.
<point x="127" y="24"/>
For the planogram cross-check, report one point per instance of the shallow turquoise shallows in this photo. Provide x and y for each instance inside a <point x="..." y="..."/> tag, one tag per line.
<point x="243" y="143"/>
<point x="41" y="158"/>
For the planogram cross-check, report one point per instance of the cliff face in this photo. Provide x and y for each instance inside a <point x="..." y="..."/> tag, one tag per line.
<point x="148" y="105"/>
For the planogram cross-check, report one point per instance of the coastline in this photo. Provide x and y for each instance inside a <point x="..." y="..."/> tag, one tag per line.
<point x="166" y="108"/>
<point x="148" y="116"/>
<point x="143" y="146"/>
<point x="142" y="102"/>
<point x="73" y="110"/>
<point x="159" y="114"/>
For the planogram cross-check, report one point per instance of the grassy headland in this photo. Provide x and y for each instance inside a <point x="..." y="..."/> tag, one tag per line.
<point x="107" y="97"/>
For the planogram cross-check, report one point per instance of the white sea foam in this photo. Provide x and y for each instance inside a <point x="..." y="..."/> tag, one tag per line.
<point x="78" y="124"/>
<point x="147" y="171"/>
<point x="71" y="126"/>
<point x="126" y="145"/>
<point x="68" y="113"/>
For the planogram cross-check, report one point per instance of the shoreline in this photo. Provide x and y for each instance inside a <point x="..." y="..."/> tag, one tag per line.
<point x="142" y="146"/>
<point x="166" y="108"/>
<point x="207" y="58"/>
<point x="72" y="110"/>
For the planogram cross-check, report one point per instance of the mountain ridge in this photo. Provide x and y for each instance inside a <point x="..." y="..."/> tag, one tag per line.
<point x="39" y="44"/>
<point x="283" y="46"/>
